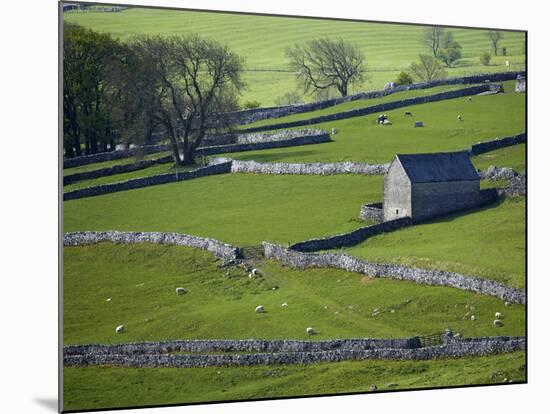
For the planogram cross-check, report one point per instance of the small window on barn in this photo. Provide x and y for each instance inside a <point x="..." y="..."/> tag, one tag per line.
<point x="396" y="211"/>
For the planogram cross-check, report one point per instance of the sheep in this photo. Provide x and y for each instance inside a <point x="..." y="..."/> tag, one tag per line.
<point x="457" y="335"/>
<point x="469" y="98"/>
<point x="180" y="291"/>
<point x="408" y="113"/>
<point x="259" y="309"/>
<point x="108" y="300"/>
<point x="498" y="323"/>
<point x="284" y="305"/>
<point x="310" y="331"/>
<point x="119" y="329"/>
<point x="256" y="272"/>
<point x="381" y="119"/>
<point x="334" y="131"/>
<point x="459" y="118"/>
<point x="498" y="315"/>
<point x="507" y="304"/>
<point x="473" y="317"/>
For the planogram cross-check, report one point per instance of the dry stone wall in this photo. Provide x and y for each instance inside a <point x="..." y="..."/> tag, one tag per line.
<point x="147" y="181"/>
<point x="219" y="249"/>
<point x="258" y="114"/>
<point x="393" y="271"/>
<point x="388" y="106"/>
<point x="497" y="143"/>
<point x="352" y="238"/>
<point x="372" y="211"/>
<point x="316" y="168"/>
<point x="454" y="349"/>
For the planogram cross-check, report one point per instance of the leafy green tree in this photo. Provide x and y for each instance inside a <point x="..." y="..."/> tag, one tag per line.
<point x="87" y="59"/>
<point x="325" y="64"/>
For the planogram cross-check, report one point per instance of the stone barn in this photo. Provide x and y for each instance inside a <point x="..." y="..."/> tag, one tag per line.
<point x="422" y="186"/>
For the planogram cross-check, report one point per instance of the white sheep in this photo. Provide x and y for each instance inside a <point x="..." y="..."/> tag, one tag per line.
<point x="498" y="315"/>
<point x="334" y="131"/>
<point x="469" y="98"/>
<point x="108" y="300"/>
<point x="255" y="272"/>
<point x="459" y="117"/>
<point x="284" y="305"/>
<point x="473" y="317"/>
<point x="119" y="329"/>
<point x="259" y="309"/>
<point x="180" y="291"/>
<point x="310" y="331"/>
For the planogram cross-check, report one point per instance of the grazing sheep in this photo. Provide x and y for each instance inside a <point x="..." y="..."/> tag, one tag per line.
<point x="408" y="113"/>
<point x="180" y="291"/>
<point x="334" y="131"/>
<point x="498" y="315"/>
<point x="381" y="119"/>
<point x="459" y="118"/>
<point x="284" y="305"/>
<point x="473" y="317"/>
<point x="119" y="329"/>
<point x="507" y="304"/>
<point x="498" y="323"/>
<point x="108" y="300"/>
<point x="470" y="98"/>
<point x="310" y="331"/>
<point x="373" y="387"/>
<point x="250" y="275"/>
<point x="259" y="309"/>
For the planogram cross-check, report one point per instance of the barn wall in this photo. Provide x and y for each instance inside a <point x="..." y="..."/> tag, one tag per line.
<point x="434" y="199"/>
<point x="397" y="193"/>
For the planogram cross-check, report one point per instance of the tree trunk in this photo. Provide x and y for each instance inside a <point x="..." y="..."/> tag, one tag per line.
<point x="175" y="149"/>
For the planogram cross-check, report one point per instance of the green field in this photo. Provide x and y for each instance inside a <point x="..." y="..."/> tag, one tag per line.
<point x="220" y="302"/>
<point x="242" y="209"/>
<point x="246" y="209"/>
<point x="99" y="387"/>
<point x="361" y="139"/>
<point x="513" y="157"/>
<point x="487" y="242"/>
<point x="388" y="48"/>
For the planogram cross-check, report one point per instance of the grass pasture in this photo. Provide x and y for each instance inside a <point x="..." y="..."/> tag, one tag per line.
<point x="220" y="302"/>
<point x="241" y="209"/>
<point x="488" y="242"/>
<point x="98" y="387"/>
<point x="388" y="48"/>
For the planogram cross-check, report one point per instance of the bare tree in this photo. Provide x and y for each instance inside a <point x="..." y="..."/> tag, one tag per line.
<point x="432" y="39"/>
<point x="427" y="69"/>
<point x="195" y="80"/>
<point x="495" y="36"/>
<point x="325" y="64"/>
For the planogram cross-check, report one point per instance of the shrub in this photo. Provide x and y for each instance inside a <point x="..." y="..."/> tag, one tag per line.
<point x="485" y="58"/>
<point x="404" y="78"/>
<point x="251" y="105"/>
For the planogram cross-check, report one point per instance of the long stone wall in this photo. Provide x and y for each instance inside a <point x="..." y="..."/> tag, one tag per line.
<point x="114" y="155"/>
<point x="393" y="271"/>
<point x="253" y="115"/>
<point x="243" y="345"/>
<point x="219" y="249"/>
<point x="455" y="349"/>
<point x="352" y="238"/>
<point x="487" y="146"/>
<point x="147" y="181"/>
<point x="388" y="106"/>
<point x="212" y="145"/>
<point x="316" y="168"/>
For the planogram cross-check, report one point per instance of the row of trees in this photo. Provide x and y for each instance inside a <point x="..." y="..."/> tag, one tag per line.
<point x="116" y="92"/>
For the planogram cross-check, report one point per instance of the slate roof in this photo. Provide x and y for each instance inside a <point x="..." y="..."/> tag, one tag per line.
<point x="438" y="167"/>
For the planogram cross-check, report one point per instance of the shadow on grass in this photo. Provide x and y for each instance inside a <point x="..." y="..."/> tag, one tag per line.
<point x="275" y="157"/>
